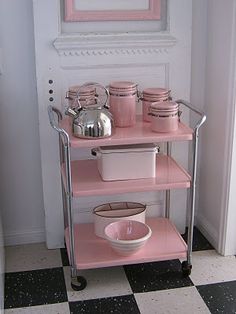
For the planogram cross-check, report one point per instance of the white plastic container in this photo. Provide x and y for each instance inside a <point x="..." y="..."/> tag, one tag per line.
<point x="127" y="162"/>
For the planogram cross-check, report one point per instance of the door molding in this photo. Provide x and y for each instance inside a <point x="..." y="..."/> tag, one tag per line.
<point x="113" y="44"/>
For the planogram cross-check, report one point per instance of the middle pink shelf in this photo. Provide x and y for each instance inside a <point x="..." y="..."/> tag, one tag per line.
<point x="86" y="179"/>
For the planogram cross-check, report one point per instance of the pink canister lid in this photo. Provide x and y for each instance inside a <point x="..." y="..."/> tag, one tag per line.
<point x="85" y="94"/>
<point x="165" y="106"/>
<point x="86" y="90"/>
<point x="156" y="91"/>
<point x="155" y="98"/>
<point x="122" y="85"/>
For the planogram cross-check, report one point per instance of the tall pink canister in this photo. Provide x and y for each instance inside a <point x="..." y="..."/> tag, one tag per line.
<point x="123" y="95"/>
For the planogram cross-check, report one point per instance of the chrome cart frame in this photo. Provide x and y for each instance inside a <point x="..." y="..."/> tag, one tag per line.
<point x="78" y="282"/>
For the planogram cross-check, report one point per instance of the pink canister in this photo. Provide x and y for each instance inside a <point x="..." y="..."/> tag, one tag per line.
<point x="151" y="95"/>
<point x="123" y="96"/>
<point x="85" y="94"/>
<point x="164" y="116"/>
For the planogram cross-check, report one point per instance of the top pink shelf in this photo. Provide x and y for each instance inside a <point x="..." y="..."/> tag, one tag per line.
<point x="140" y="133"/>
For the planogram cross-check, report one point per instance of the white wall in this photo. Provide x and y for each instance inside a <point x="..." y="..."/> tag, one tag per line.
<point x="2" y="267"/>
<point x="217" y="139"/>
<point x="21" y="187"/>
<point x="198" y="71"/>
<point x="199" y="47"/>
<point x="20" y="170"/>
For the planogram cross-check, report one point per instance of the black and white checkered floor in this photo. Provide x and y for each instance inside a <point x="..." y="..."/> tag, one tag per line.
<point x="38" y="281"/>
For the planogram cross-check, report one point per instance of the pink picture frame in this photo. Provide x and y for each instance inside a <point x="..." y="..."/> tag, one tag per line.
<point x="74" y="15"/>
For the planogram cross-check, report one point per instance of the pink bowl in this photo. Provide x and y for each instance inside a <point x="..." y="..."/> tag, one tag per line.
<point x="127" y="237"/>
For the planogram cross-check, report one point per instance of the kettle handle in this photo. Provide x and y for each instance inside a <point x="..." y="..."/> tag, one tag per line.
<point x="97" y="85"/>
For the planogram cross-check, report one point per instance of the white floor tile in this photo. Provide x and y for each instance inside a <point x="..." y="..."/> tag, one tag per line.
<point x="210" y="267"/>
<point x="102" y="282"/>
<point x="174" y="301"/>
<point x="31" y="257"/>
<point x="60" y="308"/>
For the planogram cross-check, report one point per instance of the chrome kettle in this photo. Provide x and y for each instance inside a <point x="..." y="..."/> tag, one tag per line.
<point x="93" y="121"/>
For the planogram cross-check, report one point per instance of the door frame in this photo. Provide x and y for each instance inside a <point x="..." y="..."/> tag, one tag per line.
<point x="227" y="243"/>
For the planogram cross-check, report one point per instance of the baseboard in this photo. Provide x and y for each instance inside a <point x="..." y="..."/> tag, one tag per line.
<point x="206" y="228"/>
<point x="26" y="237"/>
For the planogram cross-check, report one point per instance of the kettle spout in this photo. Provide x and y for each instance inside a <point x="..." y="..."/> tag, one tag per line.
<point x="71" y="112"/>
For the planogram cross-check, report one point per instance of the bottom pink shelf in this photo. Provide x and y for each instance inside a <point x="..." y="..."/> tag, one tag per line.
<point x="93" y="252"/>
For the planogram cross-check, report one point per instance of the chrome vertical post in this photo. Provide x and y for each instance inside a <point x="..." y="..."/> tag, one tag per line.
<point x="65" y="142"/>
<point x="167" y="202"/>
<point x="69" y="204"/>
<point x="194" y="173"/>
<point x="192" y="197"/>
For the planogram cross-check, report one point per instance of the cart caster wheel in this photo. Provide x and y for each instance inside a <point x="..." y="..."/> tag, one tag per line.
<point x="78" y="283"/>
<point x="186" y="268"/>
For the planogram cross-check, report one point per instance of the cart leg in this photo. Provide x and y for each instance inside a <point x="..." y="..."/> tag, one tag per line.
<point x="167" y="202"/>
<point x="186" y="268"/>
<point x="78" y="283"/>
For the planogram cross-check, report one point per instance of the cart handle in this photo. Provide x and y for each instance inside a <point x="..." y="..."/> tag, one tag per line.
<point x="51" y="111"/>
<point x="197" y="111"/>
<point x="54" y="124"/>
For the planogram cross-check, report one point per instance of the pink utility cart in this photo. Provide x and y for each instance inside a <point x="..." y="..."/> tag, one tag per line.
<point x="81" y="178"/>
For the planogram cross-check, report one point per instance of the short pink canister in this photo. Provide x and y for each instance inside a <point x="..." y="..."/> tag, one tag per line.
<point x="86" y="95"/>
<point x="123" y="95"/>
<point x="164" y="116"/>
<point x="151" y="95"/>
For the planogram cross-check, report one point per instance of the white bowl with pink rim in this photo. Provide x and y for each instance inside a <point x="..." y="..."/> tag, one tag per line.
<point x="127" y="237"/>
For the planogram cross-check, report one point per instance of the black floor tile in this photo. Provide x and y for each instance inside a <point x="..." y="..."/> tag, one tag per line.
<point x="156" y="276"/>
<point x="37" y="287"/>
<point x="219" y="297"/>
<point x="64" y="257"/>
<point x="200" y="243"/>
<point x="117" y="305"/>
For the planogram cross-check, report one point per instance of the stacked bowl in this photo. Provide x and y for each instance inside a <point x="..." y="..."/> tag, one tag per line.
<point x="127" y="237"/>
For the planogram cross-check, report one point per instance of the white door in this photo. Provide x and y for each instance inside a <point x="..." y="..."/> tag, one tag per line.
<point x="151" y="53"/>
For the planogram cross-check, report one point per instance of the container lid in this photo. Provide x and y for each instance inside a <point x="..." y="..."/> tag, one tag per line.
<point x="122" y="85"/>
<point x="156" y="91"/>
<point x="129" y="148"/>
<point x="86" y="90"/>
<point x="155" y="99"/>
<point x="164" y="106"/>
<point x="119" y="209"/>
